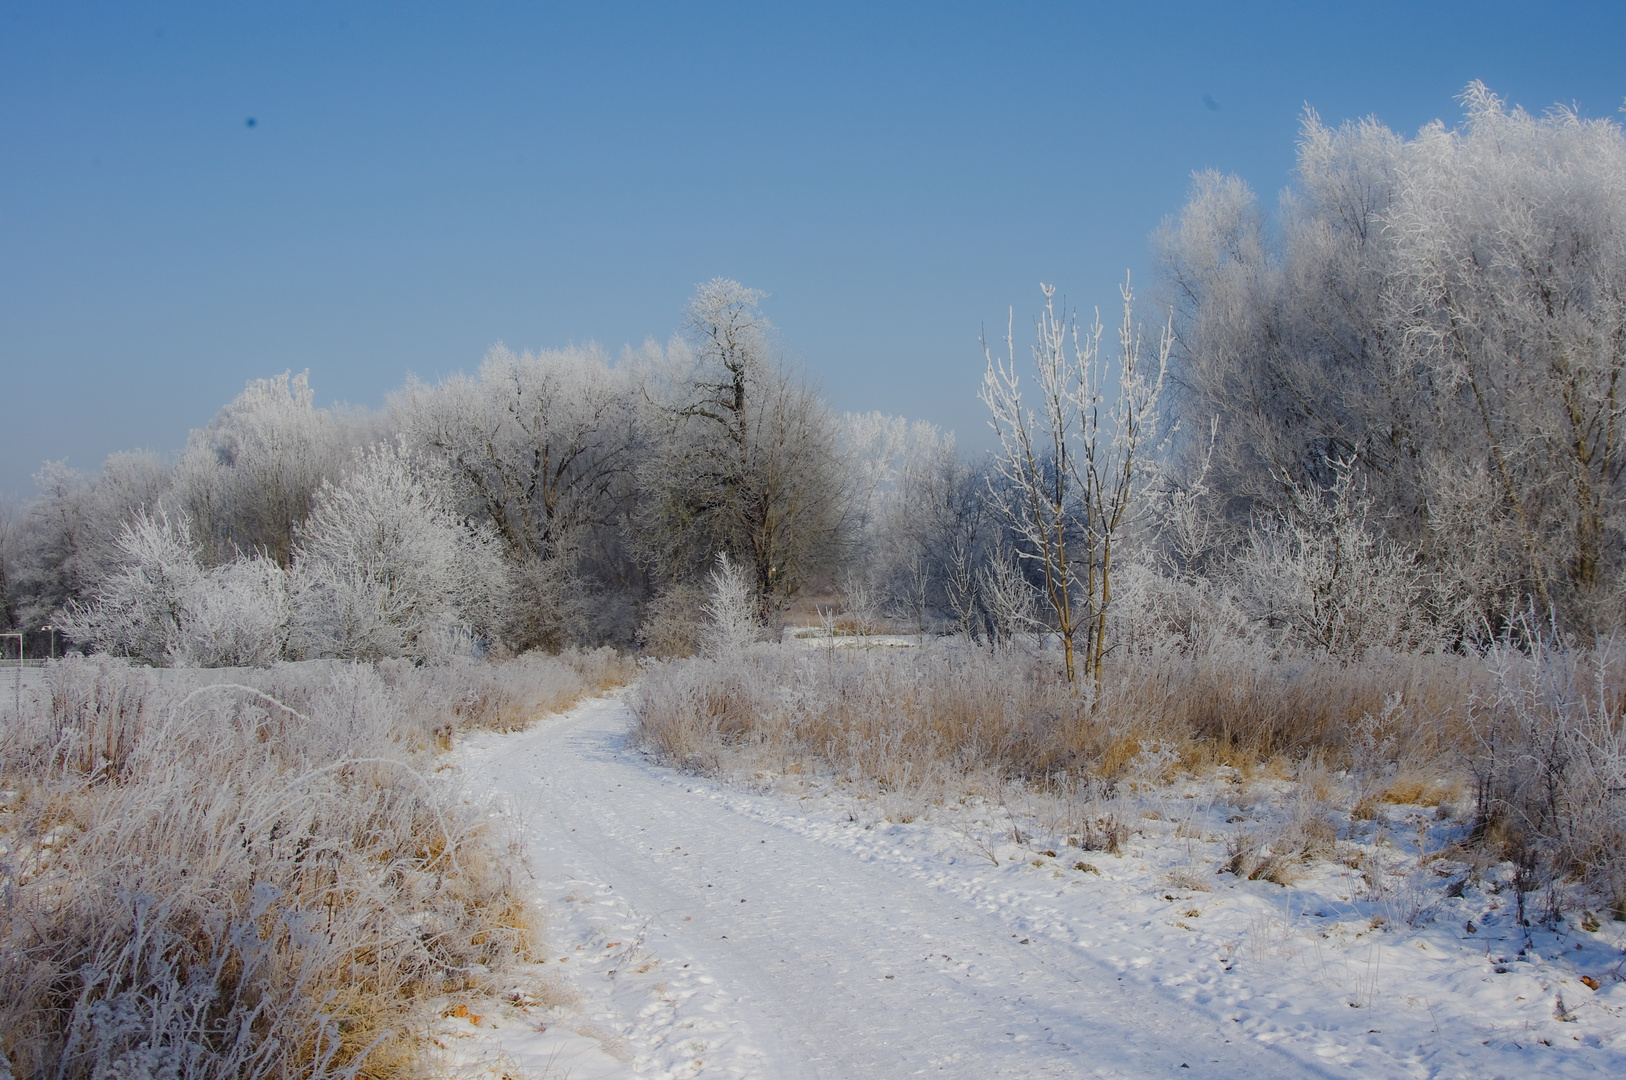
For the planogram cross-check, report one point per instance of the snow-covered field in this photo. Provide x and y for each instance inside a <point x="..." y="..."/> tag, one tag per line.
<point x="794" y="931"/>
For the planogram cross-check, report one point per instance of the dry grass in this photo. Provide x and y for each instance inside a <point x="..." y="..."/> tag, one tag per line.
<point x="887" y="715"/>
<point x="509" y="695"/>
<point x="257" y="878"/>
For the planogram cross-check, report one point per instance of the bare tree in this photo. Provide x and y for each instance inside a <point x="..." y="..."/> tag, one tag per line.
<point x="1073" y="464"/>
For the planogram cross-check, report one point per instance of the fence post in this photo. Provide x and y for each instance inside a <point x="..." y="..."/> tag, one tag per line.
<point x="19" y="686"/>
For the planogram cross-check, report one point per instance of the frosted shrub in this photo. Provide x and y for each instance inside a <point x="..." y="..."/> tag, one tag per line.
<point x="384" y="568"/>
<point x="237" y="615"/>
<point x="731" y="612"/>
<point x="252" y="879"/>
<point x="140" y="610"/>
<point x="1011" y="602"/>
<point x="1552" y="760"/>
<point x="672" y="624"/>
<point x="860" y="604"/>
<point x="1331" y="580"/>
<point x="1158" y="614"/>
<point x="163" y="607"/>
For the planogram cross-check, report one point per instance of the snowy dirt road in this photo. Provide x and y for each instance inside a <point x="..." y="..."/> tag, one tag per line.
<point x="716" y="933"/>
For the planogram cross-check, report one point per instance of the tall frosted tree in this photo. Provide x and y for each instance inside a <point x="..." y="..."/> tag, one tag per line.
<point x="1445" y="314"/>
<point x="249" y="478"/>
<point x="744" y="460"/>
<point x="67" y="541"/>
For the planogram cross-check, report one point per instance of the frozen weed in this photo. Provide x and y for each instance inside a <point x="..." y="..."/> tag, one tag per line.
<point x="1280" y="854"/>
<point x="1187" y="879"/>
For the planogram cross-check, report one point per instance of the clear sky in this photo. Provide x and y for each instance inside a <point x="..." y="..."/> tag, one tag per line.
<point x="195" y="195"/>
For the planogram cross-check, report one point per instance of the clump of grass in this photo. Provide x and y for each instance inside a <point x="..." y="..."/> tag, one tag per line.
<point x="1104" y="832"/>
<point x="1279" y="855"/>
<point x="252" y="878"/>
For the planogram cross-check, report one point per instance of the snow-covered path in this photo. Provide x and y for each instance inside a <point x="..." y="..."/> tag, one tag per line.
<point x="737" y="942"/>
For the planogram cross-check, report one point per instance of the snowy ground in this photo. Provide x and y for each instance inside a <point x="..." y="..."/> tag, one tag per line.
<point x="709" y="931"/>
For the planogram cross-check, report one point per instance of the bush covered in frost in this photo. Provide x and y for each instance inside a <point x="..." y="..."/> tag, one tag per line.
<point x="255" y="876"/>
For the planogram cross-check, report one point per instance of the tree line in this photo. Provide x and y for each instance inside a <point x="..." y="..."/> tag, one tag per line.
<point x="1387" y="415"/>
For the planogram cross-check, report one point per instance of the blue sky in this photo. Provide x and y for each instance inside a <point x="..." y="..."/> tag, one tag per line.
<point x="421" y="181"/>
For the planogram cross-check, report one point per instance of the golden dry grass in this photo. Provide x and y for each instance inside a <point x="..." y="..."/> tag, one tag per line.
<point x="880" y="715"/>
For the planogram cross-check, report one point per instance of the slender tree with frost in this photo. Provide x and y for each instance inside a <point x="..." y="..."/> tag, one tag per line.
<point x="1074" y="462"/>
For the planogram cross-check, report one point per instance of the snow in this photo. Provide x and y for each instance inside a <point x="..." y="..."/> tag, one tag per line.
<point x="706" y="930"/>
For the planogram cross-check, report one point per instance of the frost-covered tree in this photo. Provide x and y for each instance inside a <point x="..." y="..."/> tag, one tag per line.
<point x="1509" y="282"/>
<point x="67" y="540"/>
<point x="540" y="445"/>
<point x="1073" y="461"/>
<point x="1447" y="313"/>
<point x="384" y="567"/>
<point x="10" y="560"/>
<point x="743" y="458"/>
<point x="248" y="479"/>
<point x="920" y="514"/>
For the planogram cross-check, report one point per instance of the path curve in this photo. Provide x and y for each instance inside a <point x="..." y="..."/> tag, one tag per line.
<point x="742" y="947"/>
